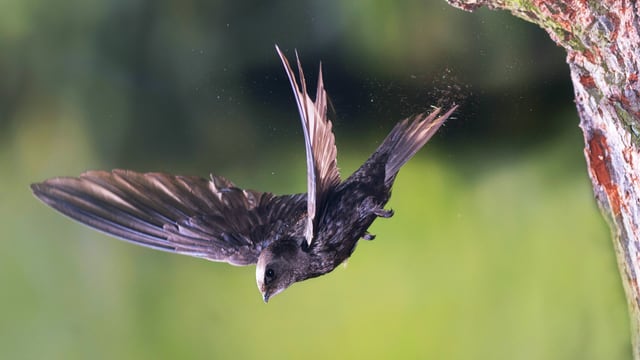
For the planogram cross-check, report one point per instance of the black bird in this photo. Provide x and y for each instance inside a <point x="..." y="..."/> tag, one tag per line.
<point x="291" y="237"/>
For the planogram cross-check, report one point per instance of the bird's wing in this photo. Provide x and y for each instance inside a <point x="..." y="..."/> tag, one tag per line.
<point x="207" y="218"/>
<point x="322" y="168"/>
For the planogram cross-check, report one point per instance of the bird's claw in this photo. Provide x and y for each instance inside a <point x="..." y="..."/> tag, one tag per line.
<point x="383" y="213"/>
<point x="368" y="236"/>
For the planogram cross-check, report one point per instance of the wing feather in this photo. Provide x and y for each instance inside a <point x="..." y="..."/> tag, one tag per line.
<point x="322" y="168"/>
<point x="207" y="218"/>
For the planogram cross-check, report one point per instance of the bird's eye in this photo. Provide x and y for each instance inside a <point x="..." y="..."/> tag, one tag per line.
<point x="269" y="275"/>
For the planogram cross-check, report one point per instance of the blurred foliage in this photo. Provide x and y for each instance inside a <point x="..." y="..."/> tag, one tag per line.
<point x="496" y="252"/>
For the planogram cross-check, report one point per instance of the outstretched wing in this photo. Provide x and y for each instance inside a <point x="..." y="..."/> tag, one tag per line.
<point x="207" y="218"/>
<point x="322" y="169"/>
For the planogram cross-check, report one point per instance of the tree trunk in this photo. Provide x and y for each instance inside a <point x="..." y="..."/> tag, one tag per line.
<point x="602" y="39"/>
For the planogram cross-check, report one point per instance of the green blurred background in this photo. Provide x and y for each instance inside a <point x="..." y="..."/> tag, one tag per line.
<point x="497" y="250"/>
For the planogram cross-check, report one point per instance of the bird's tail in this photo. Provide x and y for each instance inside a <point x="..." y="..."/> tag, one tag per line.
<point x="407" y="137"/>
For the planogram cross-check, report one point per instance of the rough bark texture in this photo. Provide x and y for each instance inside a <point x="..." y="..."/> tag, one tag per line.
<point x="602" y="39"/>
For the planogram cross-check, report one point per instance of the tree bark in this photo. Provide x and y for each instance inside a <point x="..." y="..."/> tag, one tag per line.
<point x="602" y="39"/>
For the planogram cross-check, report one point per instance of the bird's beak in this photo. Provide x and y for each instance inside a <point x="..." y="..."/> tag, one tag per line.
<point x="265" y="293"/>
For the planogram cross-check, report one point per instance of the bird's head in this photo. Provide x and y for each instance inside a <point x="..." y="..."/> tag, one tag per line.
<point x="278" y="267"/>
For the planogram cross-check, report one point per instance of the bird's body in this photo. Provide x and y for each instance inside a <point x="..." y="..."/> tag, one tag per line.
<point x="291" y="238"/>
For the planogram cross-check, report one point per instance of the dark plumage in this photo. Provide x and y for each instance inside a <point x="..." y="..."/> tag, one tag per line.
<point x="290" y="237"/>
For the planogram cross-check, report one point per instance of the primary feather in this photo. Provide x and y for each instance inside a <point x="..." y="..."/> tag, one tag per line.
<point x="207" y="218"/>
<point x="320" y="148"/>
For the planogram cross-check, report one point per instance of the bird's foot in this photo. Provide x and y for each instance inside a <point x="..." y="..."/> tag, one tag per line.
<point x="368" y="236"/>
<point x="383" y="213"/>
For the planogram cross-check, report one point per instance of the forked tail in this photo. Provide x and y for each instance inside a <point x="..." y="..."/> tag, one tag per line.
<point x="407" y="137"/>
